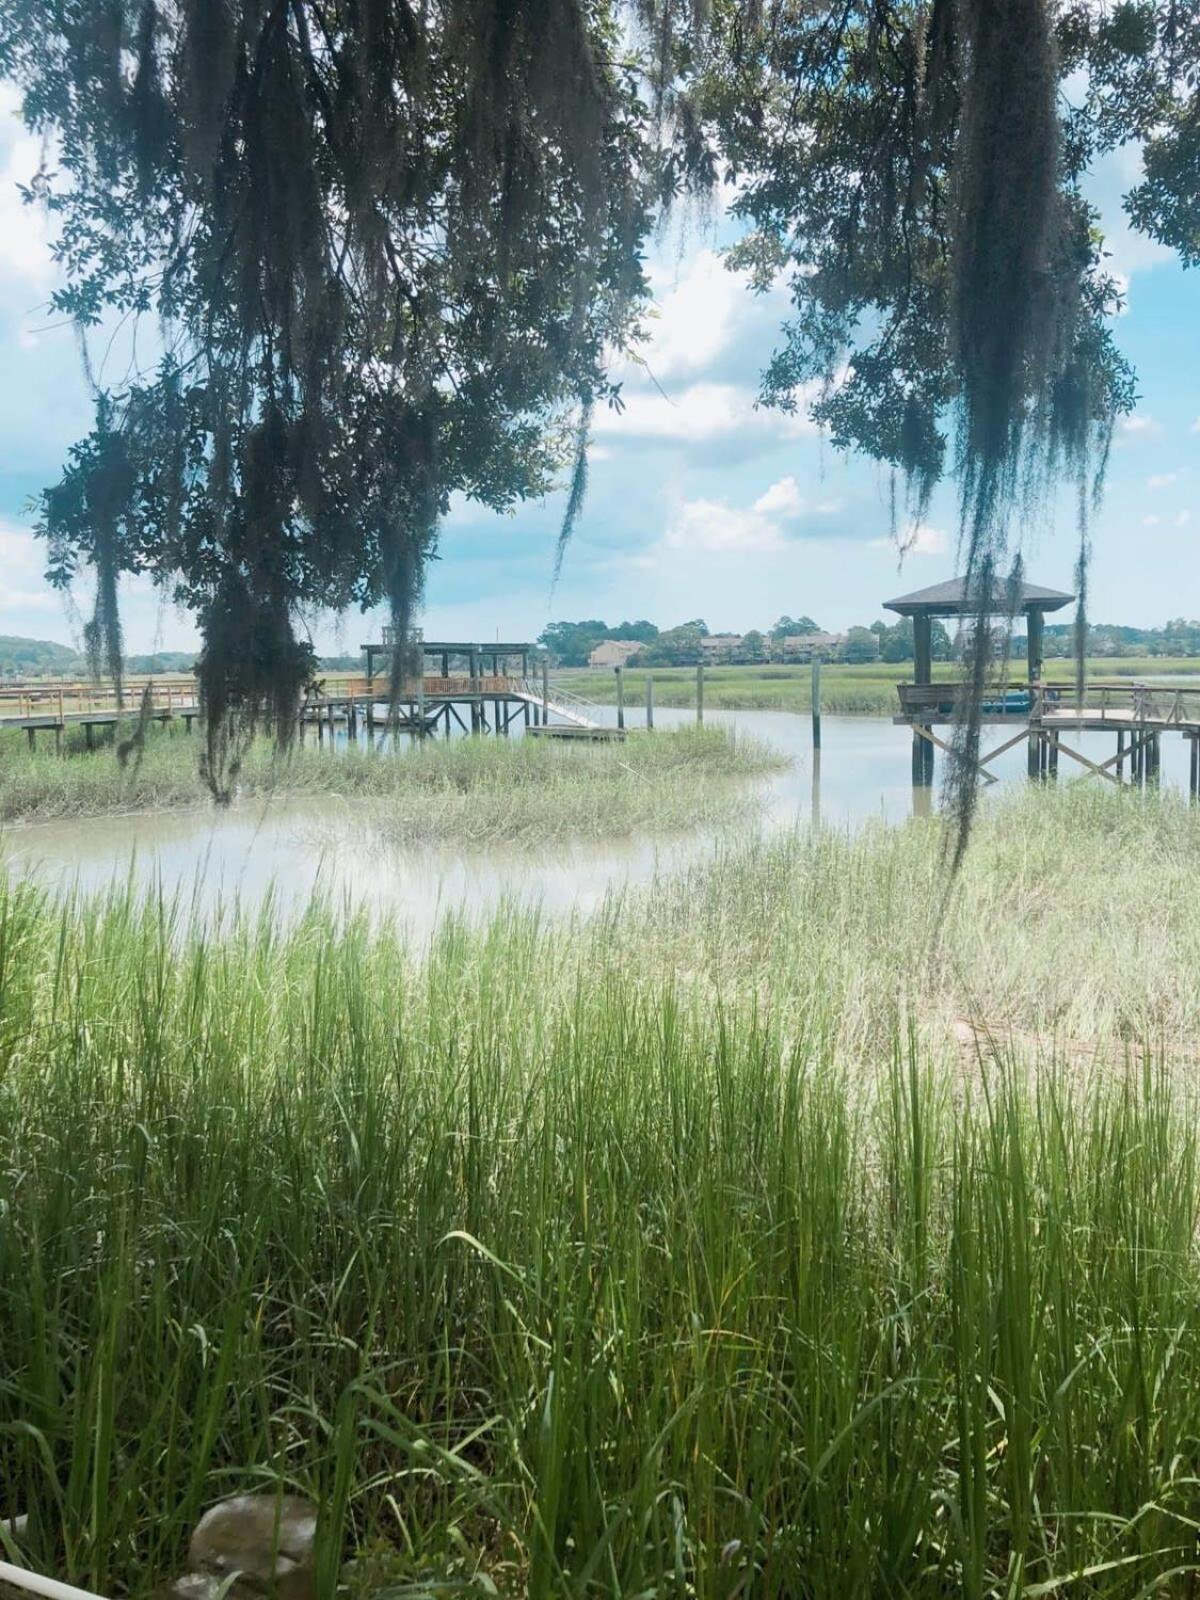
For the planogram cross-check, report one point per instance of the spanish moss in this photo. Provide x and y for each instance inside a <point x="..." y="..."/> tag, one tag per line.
<point x="386" y="244"/>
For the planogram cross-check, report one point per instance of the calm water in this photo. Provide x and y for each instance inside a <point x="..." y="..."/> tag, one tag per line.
<point x="293" y="847"/>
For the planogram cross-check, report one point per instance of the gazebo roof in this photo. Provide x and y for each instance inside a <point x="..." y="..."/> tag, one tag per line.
<point x="949" y="599"/>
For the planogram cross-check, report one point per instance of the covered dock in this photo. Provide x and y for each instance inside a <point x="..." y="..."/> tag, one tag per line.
<point x="1044" y="711"/>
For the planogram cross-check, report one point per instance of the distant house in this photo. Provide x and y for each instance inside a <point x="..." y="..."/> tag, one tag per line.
<point x="720" y="646"/>
<point x="803" y="646"/>
<point x="614" y="652"/>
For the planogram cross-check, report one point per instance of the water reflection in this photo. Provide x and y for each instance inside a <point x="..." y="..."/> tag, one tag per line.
<point x="292" y="847"/>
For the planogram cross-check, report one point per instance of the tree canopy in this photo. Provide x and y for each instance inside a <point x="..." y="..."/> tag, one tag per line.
<point x="389" y="245"/>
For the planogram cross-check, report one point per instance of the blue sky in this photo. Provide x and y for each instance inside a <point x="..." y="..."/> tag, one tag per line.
<point x="699" y="505"/>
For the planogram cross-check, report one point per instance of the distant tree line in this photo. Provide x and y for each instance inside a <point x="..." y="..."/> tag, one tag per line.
<point x="571" y="643"/>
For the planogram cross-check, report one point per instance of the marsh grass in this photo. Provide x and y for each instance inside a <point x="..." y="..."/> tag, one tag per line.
<point x="868" y="689"/>
<point x="642" y="1256"/>
<point x="458" y="791"/>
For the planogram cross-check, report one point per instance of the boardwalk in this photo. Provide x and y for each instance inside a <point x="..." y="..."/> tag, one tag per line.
<point x="480" y="703"/>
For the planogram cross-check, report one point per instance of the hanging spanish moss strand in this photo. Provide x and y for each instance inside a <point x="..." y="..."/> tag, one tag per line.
<point x="578" y="487"/>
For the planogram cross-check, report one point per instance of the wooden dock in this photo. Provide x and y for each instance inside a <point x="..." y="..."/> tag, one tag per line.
<point x="426" y="705"/>
<point x="1047" y="713"/>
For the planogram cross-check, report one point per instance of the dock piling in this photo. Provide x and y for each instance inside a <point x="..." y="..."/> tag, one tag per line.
<point x="816" y="701"/>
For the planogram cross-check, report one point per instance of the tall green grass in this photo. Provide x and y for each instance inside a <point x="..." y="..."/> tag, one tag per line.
<point x="456" y="791"/>
<point x="615" y="1258"/>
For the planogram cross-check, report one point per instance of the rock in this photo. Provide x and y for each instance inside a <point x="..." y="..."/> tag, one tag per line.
<point x="192" y="1586"/>
<point x="268" y="1540"/>
<point x="16" y="1527"/>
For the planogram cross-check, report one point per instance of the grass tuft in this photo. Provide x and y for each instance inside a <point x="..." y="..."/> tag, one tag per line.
<point x="458" y="791"/>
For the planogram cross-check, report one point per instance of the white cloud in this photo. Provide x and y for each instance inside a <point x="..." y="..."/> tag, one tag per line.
<point x="1139" y="423"/>
<point x="24" y="235"/>
<point x="922" y="540"/>
<point x="1162" y="480"/>
<point x="1195" y="427"/>
<point x="1182" y="520"/>
<point x="1151" y="521"/>
<point x="716" y="525"/>
<point x="769" y="523"/>
<point x="22" y="562"/>
<point x="695" y="315"/>
<point x="1109" y="181"/>
<point x="783" y="497"/>
<point x="701" y="412"/>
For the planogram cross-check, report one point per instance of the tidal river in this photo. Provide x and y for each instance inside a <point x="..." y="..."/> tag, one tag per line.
<point x="289" y="848"/>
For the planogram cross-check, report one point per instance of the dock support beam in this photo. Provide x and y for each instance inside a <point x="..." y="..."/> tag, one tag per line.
<point x="699" y="693"/>
<point x="620" y="672"/>
<point x="649" y="701"/>
<point x="922" y="759"/>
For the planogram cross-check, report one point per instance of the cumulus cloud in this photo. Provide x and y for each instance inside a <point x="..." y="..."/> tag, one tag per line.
<point x="769" y="523"/>
<point x="922" y="540"/>
<point x="1162" y="480"/>
<point x="1138" y="424"/>
<point x="698" y="414"/>
<point x="22" y="561"/>
<point x="783" y="497"/>
<point x="24" y="236"/>
<point x="695" y="315"/>
<point x="716" y="525"/>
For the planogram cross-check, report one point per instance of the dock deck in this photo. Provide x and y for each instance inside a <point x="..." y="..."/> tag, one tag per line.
<point x="1137" y="713"/>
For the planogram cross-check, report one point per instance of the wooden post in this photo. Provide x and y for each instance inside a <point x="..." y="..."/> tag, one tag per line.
<point x="922" y="649"/>
<point x="421" y="702"/>
<point x="1194" y="781"/>
<point x="649" y="701"/>
<point x="816" y="700"/>
<point x="89" y="734"/>
<point x="32" y="734"/>
<point x="545" y="691"/>
<point x="816" y="787"/>
<point x="699" y="693"/>
<point x="1034" y="622"/>
<point x="620" y="672"/>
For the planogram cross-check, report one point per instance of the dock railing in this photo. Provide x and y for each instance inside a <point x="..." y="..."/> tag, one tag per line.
<point x="1118" y="703"/>
<point x="570" y="706"/>
<point x="57" y="700"/>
